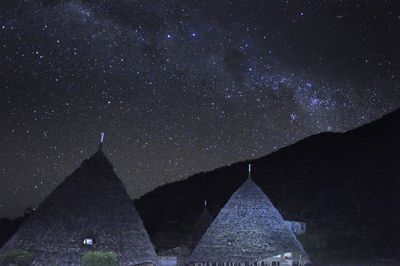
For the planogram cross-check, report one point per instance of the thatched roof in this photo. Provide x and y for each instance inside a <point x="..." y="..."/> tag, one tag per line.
<point x="90" y="203"/>
<point x="247" y="229"/>
<point x="200" y="226"/>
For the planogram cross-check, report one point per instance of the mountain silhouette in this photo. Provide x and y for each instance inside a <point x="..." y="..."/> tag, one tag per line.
<point x="345" y="186"/>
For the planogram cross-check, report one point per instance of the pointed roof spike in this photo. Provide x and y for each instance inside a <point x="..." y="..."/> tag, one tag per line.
<point x="101" y="140"/>
<point x="249" y="170"/>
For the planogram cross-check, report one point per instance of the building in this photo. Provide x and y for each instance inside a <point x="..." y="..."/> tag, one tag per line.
<point x="174" y="257"/>
<point x="89" y="211"/>
<point x="200" y="226"/>
<point x="248" y="231"/>
<point x="298" y="228"/>
<point x="175" y="248"/>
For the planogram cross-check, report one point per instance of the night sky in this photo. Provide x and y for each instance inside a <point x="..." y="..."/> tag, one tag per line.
<point x="181" y="87"/>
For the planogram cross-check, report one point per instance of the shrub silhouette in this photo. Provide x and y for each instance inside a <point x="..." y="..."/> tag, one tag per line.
<point x="17" y="258"/>
<point x="99" y="258"/>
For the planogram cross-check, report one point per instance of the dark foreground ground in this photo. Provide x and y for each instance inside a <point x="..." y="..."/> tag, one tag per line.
<point x="376" y="262"/>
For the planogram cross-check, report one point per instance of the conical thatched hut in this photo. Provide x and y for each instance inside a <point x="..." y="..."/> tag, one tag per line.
<point x="200" y="226"/>
<point x="248" y="231"/>
<point x="89" y="211"/>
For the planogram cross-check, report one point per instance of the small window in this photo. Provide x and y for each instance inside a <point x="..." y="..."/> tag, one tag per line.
<point x="88" y="241"/>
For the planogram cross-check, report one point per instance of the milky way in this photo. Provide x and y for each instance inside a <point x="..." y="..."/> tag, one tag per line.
<point x="181" y="87"/>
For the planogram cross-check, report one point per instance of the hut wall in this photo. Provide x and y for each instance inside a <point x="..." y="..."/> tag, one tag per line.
<point x="287" y="259"/>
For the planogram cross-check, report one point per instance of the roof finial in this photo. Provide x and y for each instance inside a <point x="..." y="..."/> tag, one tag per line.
<point x="249" y="170"/>
<point x="101" y="141"/>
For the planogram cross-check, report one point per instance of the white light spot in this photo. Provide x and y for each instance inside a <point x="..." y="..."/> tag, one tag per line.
<point x="88" y="241"/>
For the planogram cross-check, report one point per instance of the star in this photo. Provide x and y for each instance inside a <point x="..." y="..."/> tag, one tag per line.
<point x="178" y="89"/>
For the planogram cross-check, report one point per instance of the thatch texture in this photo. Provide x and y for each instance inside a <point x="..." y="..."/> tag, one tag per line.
<point x="90" y="203"/>
<point x="200" y="226"/>
<point x="247" y="229"/>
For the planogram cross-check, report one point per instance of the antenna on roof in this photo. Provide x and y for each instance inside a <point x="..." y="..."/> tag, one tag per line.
<point x="249" y="170"/>
<point x="101" y="141"/>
